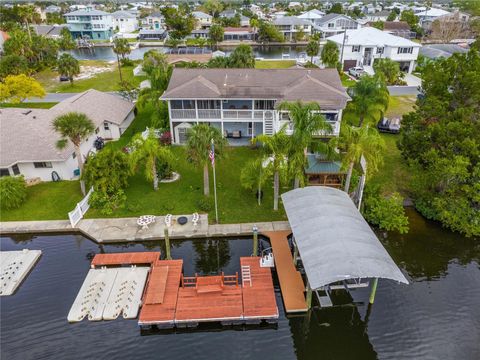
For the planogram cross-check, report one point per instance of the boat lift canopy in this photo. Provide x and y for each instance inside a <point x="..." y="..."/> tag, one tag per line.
<point x="334" y="241"/>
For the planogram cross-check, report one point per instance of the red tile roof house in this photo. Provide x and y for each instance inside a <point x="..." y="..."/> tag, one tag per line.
<point x="27" y="139"/>
<point x="242" y="103"/>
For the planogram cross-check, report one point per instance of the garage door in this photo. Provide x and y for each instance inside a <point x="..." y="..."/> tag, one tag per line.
<point x="347" y="64"/>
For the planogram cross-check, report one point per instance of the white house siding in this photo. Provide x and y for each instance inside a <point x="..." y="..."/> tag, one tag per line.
<point x="126" y="25"/>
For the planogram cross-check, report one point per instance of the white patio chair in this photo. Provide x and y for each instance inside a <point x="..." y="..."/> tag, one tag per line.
<point x="168" y="220"/>
<point x="195" y="219"/>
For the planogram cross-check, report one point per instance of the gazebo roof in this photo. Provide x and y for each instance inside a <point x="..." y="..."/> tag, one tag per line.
<point x="317" y="164"/>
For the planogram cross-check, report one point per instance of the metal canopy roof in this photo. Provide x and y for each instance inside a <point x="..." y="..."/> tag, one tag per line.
<point x="334" y="240"/>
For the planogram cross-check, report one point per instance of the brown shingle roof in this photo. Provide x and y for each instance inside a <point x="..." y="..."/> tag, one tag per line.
<point x="320" y="85"/>
<point x="395" y="25"/>
<point x="27" y="134"/>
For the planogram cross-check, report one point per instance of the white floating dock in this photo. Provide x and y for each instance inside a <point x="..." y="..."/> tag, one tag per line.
<point x="14" y="267"/>
<point x="108" y="292"/>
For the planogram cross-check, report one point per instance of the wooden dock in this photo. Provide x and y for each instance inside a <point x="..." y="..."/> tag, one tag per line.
<point x="170" y="299"/>
<point x="291" y="282"/>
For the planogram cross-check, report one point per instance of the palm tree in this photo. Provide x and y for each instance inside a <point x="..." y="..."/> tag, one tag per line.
<point x="149" y="152"/>
<point x="370" y="98"/>
<point x="27" y="13"/>
<point x="74" y="127"/>
<point x="199" y="145"/>
<point x="254" y="176"/>
<point x="275" y="150"/>
<point x="355" y="142"/>
<point x="121" y="47"/>
<point x="307" y="122"/>
<point x="68" y="66"/>
<point x="313" y="47"/>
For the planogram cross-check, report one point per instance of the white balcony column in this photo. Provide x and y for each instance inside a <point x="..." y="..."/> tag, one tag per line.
<point x="196" y="109"/>
<point x="221" y="110"/>
<point x="223" y="131"/>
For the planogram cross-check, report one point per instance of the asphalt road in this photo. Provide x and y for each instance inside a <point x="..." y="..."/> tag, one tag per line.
<point x="402" y="90"/>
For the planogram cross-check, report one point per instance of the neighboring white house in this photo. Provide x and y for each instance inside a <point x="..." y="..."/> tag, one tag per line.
<point x="125" y="21"/>
<point x="51" y="9"/>
<point x="203" y="20"/>
<point x="243" y="103"/>
<point x="427" y="16"/>
<point x="363" y="46"/>
<point x="154" y="21"/>
<point x="313" y="16"/>
<point x="333" y="24"/>
<point x="28" y="140"/>
<point x="289" y="26"/>
<point x="378" y="16"/>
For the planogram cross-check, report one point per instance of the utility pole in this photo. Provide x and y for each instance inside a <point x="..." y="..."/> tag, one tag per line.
<point x="343" y="46"/>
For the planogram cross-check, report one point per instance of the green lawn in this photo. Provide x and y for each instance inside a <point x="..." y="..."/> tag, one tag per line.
<point x="29" y="105"/>
<point x="49" y="201"/>
<point x="105" y="81"/>
<point x="274" y="64"/>
<point x="46" y="201"/>
<point x="346" y="81"/>
<point x="400" y="105"/>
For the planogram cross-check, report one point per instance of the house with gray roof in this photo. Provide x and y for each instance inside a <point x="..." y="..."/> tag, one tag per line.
<point x="333" y="24"/>
<point x="90" y="23"/>
<point x="50" y="31"/>
<point x="243" y="103"/>
<point x="27" y="138"/>
<point x="202" y="19"/>
<point x="289" y="26"/>
<point x="125" y="21"/>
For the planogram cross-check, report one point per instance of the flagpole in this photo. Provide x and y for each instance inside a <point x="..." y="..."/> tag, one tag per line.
<point x="214" y="183"/>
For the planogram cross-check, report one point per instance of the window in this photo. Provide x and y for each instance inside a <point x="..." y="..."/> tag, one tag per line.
<point x="43" y="164"/>
<point x="264" y="104"/>
<point x="405" y="50"/>
<point x="15" y="169"/>
<point x="4" y="172"/>
<point x="380" y="50"/>
<point x="106" y="125"/>
<point x="208" y="104"/>
<point x="74" y="156"/>
<point x="182" y="104"/>
<point x="356" y="48"/>
<point x="331" y="25"/>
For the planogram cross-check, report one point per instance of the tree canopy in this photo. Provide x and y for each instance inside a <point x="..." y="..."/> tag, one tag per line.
<point x="390" y="70"/>
<point x="441" y="141"/>
<point x="68" y="66"/>
<point x="330" y="54"/>
<point x="267" y="32"/>
<point x="179" y="22"/>
<point x="313" y="47"/>
<point x="18" y="88"/>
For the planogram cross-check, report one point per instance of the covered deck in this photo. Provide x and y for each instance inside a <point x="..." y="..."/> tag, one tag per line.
<point x="337" y="247"/>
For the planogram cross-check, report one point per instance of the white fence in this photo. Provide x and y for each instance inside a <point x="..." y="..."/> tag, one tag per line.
<point x="77" y="214"/>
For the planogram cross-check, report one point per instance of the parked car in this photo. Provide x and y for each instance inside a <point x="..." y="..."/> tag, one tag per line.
<point x="64" y="78"/>
<point x="387" y="125"/>
<point x="356" y="71"/>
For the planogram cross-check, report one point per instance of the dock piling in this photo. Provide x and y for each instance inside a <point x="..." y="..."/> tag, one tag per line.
<point x="167" y="244"/>
<point x="309" y="296"/>
<point x="255" y="240"/>
<point x="374" y="290"/>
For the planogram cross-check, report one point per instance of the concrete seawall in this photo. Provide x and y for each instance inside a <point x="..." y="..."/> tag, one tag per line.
<point x="126" y="229"/>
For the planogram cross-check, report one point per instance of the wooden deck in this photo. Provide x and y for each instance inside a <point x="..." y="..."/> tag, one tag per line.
<point x="259" y="295"/>
<point x="133" y="258"/>
<point x="161" y="296"/>
<point x="173" y="300"/>
<point x="291" y="282"/>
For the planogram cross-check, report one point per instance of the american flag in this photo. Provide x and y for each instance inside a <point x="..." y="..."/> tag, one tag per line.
<point x="211" y="154"/>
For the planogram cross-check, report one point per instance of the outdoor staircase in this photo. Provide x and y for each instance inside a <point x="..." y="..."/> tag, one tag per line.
<point x="268" y="123"/>
<point x="246" y="275"/>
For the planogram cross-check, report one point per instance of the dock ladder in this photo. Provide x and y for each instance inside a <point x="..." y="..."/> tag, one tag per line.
<point x="246" y="275"/>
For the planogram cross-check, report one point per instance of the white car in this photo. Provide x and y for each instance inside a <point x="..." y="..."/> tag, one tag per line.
<point x="356" y="71"/>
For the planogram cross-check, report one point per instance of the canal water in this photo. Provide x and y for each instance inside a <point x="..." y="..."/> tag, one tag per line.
<point x="107" y="54"/>
<point x="437" y="316"/>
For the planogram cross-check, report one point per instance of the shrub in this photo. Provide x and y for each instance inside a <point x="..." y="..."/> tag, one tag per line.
<point x="387" y="213"/>
<point x="126" y="62"/>
<point x="108" y="202"/>
<point x="13" y="191"/>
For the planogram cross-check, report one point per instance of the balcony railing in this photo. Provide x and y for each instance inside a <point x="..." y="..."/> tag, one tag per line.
<point x="216" y="114"/>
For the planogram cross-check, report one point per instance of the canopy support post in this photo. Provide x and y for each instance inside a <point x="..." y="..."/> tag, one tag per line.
<point x="295" y="253"/>
<point x="309" y="296"/>
<point x="167" y="244"/>
<point x="374" y="290"/>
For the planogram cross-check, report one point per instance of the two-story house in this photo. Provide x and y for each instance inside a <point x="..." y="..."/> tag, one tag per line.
<point x="333" y="24"/>
<point x="290" y="26"/>
<point x="202" y="19"/>
<point x="243" y="103"/>
<point x="125" y="21"/>
<point x="363" y="46"/>
<point x="94" y="24"/>
<point x="313" y="16"/>
<point x="154" y="21"/>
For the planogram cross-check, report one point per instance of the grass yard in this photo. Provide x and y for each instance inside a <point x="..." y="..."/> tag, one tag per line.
<point x="46" y="201"/>
<point x="274" y="64"/>
<point x="347" y="81"/>
<point x="235" y="204"/>
<point x="393" y="175"/>
<point x="400" y="105"/>
<point x="29" y="105"/>
<point x="103" y="81"/>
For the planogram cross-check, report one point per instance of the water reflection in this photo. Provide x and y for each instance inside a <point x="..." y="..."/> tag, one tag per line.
<point x="427" y="250"/>
<point x="211" y="256"/>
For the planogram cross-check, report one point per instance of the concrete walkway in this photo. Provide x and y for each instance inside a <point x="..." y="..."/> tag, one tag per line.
<point x="127" y="230"/>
